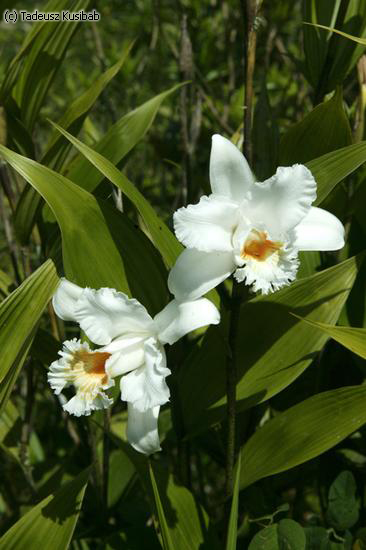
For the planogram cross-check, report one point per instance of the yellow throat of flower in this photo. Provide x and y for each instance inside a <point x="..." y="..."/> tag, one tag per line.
<point x="93" y="363"/>
<point x="258" y="247"/>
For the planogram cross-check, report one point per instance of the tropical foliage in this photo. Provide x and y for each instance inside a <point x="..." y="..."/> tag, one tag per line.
<point x="105" y="132"/>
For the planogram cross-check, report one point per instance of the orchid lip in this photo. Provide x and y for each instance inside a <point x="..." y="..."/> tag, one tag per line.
<point x="257" y="246"/>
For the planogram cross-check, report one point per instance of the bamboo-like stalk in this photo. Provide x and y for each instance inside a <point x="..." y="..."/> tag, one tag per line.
<point x="250" y="10"/>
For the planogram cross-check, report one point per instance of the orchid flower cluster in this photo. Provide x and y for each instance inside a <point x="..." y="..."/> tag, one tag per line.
<point x="249" y="229"/>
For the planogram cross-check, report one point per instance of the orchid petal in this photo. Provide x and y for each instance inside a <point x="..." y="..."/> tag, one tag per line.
<point x="106" y="314"/>
<point x="146" y="387"/>
<point x="230" y="174"/>
<point x="127" y="354"/>
<point x="142" y="429"/>
<point x="179" y="318"/>
<point x="282" y="201"/>
<point x="196" y="272"/>
<point x="207" y="225"/>
<point x="319" y="230"/>
<point x="65" y="298"/>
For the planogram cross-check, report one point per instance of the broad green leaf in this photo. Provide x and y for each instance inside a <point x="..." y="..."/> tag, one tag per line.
<point x="183" y="522"/>
<point x="121" y="473"/>
<point x="139" y="257"/>
<point x="324" y="129"/>
<point x="233" y="520"/>
<point x="330" y="169"/>
<point x="305" y="431"/>
<point x="43" y="61"/>
<point x="30" y="201"/>
<point x="162" y="237"/>
<point x="19" y="315"/>
<point x="343" y="506"/>
<point x="273" y="347"/>
<point x="351" y="338"/>
<point x="8" y="418"/>
<point x="285" y="535"/>
<point x="89" y="253"/>
<point x="118" y="141"/>
<point x="51" y="523"/>
<point x="5" y="283"/>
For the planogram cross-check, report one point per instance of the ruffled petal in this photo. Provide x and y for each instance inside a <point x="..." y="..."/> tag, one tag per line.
<point x="142" y="429"/>
<point x="106" y="314"/>
<point x="230" y="174"/>
<point x="207" y="225"/>
<point x="282" y="201"/>
<point x="179" y="318"/>
<point x="65" y="298"/>
<point x="196" y="272"/>
<point x="81" y="405"/>
<point x="127" y="354"/>
<point x="146" y="387"/>
<point x="319" y="230"/>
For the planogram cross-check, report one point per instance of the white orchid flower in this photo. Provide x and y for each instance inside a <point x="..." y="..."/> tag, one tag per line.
<point x="132" y="345"/>
<point x="254" y="230"/>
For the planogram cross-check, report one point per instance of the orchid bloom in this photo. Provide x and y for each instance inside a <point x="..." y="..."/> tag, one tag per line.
<point x="254" y="230"/>
<point x="132" y="346"/>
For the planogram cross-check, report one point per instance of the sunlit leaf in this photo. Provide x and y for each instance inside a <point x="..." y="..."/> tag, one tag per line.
<point x="51" y="523"/>
<point x="19" y="315"/>
<point x="305" y="431"/>
<point x="89" y="253"/>
<point x="233" y="520"/>
<point x="351" y="338"/>
<point x="273" y="347"/>
<point x="162" y="237"/>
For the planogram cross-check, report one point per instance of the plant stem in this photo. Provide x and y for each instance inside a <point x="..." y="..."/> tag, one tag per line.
<point x="106" y="460"/>
<point x="250" y="9"/>
<point x="231" y="378"/>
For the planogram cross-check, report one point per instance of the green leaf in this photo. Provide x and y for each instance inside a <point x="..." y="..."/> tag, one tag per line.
<point x="19" y="315"/>
<point x="139" y="257"/>
<point x="30" y="201"/>
<point x="346" y="35"/>
<point x="273" y="348"/>
<point x="43" y="61"/>
<point x="343" y="507"/>
<point x="285" y="535"/>
<point x="233" y="520"/>
<point x="74" y="115"/>
<point x="51" y="523"/>
<point x="183" y="522"/>
<point x="351" y="338"/>
<point x="305" y="431"/>
<point x="315" y="42"/>
<point x="324" y="129"/>
<point x="162" y="237"/>
<point x="117" y="142"/>
<point x="330" y="169"/>
<point x="89" y="253"/>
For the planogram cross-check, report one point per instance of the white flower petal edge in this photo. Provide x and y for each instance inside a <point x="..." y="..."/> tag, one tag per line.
<point x="179" y="318"/>
<point x="207" y="225"/>
<point x="196" y="272"/>
<point x="133" y="346"/>
<point x="319" y="230"/>
<point x="142" y="429"/>
<point x="65" y="298"/>
<point x="265" y="223"/>
<point x="230" y="175"/>
<point x="84" y="369"/>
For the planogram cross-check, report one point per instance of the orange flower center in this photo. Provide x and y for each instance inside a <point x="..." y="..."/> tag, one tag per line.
<point x="257" y="246"/>
<point x="93" y="362"/>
